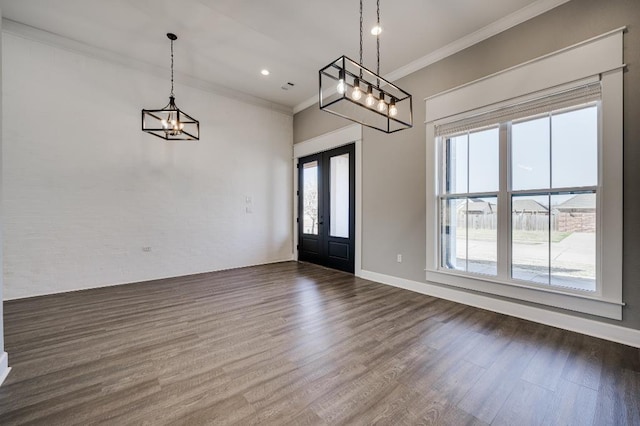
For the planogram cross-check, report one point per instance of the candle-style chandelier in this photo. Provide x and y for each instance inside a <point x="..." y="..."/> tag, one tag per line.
<point x="170" y="123"/>
<point x="350" y="90"/>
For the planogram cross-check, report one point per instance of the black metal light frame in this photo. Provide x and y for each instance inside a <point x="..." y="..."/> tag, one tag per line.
<point x="384" y="106"/>
<point x="343" y="105"/>
<point x="152" y="122"/>
<point x="158" y="122"/>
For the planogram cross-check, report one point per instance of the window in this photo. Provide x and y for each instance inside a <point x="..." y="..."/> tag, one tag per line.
<point x="524" y="181"/>
<point x="554" y="177"/>
<point x="468" y="204"/>
<point x="550" y="187"/>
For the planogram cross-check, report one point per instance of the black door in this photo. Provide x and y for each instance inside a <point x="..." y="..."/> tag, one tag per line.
<point x="326" y="208"/>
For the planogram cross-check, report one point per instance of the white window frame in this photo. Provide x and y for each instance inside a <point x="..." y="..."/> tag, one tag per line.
<point x="553" y="73"/>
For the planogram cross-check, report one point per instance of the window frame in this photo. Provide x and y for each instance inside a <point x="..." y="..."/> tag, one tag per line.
<point x="444" y="195"/>
<point x="505" y="195"/>
<point x="544" y="76"/>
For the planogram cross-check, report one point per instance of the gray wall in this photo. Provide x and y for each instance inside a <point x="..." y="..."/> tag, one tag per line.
<point x="393" y="170"/>
<point x="1" y="262"/>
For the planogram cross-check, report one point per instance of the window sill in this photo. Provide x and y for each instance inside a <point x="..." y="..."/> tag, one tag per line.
<point x="550" y="297"/>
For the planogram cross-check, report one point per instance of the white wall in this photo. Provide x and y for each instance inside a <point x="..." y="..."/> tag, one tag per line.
<point x="85" y="189"/>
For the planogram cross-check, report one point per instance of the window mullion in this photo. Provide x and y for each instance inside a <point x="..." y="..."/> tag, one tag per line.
<point x="544" y="191"/>
<point x="551" y="142"/>
<point x="504" y="205"/>
<point x="466" y="215"/>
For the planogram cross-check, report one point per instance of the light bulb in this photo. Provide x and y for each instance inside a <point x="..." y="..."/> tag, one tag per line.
<point x="393" y="111"/>
<point x="370" y="100"/>
<point x="382" y="105"/>
<point x="164" y="123"/>
<point x="376" y="30"/>
<point x="356" y="94"/>
<point x="173" y="122"/>
<point x="341" y="88"/>
<point x="181" y="126"/>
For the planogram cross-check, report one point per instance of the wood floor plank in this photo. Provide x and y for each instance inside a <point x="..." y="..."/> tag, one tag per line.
<point x="435" y="409"/>
<point x="392" y="409"/>
<point x="547" y="364"/>
<point x="527" y="405"/>
<point x="571" y="405"/>
<point x="496" y="338"/>
<point x="619" y="392"/>
<point x="487" y="396"/>
<point x="294" y="343"/>
<point x="584" y="364"/>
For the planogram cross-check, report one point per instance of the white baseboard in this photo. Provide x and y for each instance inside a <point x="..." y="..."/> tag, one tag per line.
<point x="4" y="367"/>
<point x="614" y="333"/>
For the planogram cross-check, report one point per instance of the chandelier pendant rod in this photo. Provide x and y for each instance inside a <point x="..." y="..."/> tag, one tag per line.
<point x="378" y="40"/>
<point x="172" y="95"/>
<point x="361" y="64"/>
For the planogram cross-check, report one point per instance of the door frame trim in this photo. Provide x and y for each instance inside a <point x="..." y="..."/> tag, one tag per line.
<point x="343" y="136"/>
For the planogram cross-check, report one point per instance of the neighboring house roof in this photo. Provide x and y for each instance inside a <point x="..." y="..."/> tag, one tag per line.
<point x="579" y="202"/>
<point x="478" y="206"/>
<point x="528" y="206"/>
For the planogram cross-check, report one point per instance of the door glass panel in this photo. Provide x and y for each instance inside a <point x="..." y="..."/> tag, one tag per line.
<point x="310" y="198"/>
<point x="339" y="196"/>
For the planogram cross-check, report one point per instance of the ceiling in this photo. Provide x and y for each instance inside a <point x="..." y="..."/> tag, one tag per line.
<point x="228" y="42"/>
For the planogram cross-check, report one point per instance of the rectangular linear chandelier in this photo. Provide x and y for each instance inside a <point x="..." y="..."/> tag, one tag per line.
<point x="351" y="91"/>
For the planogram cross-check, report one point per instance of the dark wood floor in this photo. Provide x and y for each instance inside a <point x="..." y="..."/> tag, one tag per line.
<point x="298" y="344"/>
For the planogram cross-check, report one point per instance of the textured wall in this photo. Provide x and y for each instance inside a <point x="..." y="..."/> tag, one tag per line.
<point x="85" y="189"/>
<point x="394" y="166"/>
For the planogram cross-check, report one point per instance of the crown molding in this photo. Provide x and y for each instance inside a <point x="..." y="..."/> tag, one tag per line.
<point x="528" y="12"/>
<point x="305" y="104"/>
<point x="503" y="24"/>
<point x="45" y="37"/>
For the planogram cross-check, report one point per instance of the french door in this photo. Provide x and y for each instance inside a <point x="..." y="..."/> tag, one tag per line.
<point x="326" y="208"/>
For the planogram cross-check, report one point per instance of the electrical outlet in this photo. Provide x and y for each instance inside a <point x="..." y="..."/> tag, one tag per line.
<point x="399" y="258"/>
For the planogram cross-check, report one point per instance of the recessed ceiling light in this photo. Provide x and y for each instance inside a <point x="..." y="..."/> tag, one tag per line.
<point x="265" y="72"/>
<point x="376" y="30"/>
